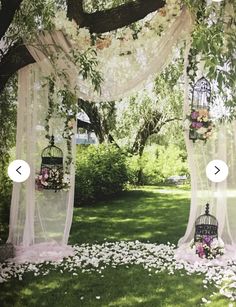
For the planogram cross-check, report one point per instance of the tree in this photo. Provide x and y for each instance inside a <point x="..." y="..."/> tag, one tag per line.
<point x="146" y="113"/>
<point x="102" y="118"/>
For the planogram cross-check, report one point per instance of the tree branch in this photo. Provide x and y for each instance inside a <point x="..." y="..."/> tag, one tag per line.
<point x="7" y="12"/>
<point x="17" y="57"/>
<point x="112" y="19"/>
<point x="75" y="11"/>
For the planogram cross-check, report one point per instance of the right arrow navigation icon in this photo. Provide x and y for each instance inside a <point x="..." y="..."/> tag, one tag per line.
<point x="217" y="171"/>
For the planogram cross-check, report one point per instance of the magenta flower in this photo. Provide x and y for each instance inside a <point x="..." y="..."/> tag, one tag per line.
<point x="200" y="250"/>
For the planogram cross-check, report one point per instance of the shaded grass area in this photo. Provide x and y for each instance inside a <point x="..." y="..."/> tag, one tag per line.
<point x="155" y="214"/>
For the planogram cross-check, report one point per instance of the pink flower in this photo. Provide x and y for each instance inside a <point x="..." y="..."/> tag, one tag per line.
<point x="200" y="250"/>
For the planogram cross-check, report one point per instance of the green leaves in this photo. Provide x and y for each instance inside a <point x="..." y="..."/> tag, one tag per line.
<point x="213" y="42"/>
<point x="88" y="63"/>
<point x="62" y="103"/>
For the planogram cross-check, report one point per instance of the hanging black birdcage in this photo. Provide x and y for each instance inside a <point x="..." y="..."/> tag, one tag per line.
<point x="201" y="96"/>
<point x="193" y="135"/>
<point x="51" y="173"/>
<point x="206" y="227"/>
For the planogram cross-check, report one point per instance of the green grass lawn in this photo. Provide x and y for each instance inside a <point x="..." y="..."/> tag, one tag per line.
<point x="155" y="214"/>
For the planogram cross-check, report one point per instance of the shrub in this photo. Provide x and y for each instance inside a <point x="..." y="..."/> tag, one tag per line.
<point x="157" y="163"/>
<point x="100" y="172"/>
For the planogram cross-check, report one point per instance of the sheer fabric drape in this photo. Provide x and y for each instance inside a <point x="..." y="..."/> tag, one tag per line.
<point x="125" y="68"/>
<point x="39" y="220"/>
<point x="220" y="196"/>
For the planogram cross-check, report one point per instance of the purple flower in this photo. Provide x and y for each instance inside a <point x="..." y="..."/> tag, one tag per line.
<point x="207" y="239"/>
<point x="194" y="115"/>
<point x="197" y="125"/>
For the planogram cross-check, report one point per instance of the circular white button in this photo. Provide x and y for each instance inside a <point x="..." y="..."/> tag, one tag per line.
<point x="18" y="170"/>
<point x="217" y="170"/>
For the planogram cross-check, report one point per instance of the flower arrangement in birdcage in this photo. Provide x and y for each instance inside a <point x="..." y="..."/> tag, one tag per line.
<point x="200" y="126"/>
<point x="206" y="241"/>
<point x="45" y="178"/>
<point x="51" y="175"/>
<point x="209" y="247"/>
<point x="200" y="123"/>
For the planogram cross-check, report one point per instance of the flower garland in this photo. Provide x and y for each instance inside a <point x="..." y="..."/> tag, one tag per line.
<point x="153" y="25"/>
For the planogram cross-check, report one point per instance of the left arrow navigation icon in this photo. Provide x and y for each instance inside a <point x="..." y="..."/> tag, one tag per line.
<point x="19" y="170"/>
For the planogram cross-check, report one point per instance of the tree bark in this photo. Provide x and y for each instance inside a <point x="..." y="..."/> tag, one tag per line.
<point x="17" y="57"/>
<point x="147" y="129"/>
<point x="95" y="119"/>
<point x="112" y="19"/>
<point x="7" y="12"/>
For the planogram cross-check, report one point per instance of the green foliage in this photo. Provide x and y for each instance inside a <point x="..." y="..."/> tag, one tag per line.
<point x="157" y="164"/>
<point x="62" y="103"/>
<point x="32" y="17"/>
<point x="213" y="42"/>
<point x="164" y="99"/>
<point x="100" y="173"/>
<point x="88" y="63"/>
<point x="7" y="141"/>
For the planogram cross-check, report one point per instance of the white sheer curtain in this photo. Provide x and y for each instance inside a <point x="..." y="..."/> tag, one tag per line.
<point x="220" y="196"/>
<point x="39" y="220"/>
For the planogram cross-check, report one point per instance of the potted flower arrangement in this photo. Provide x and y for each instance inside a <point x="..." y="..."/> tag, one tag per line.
<point x="201" y="127"/>
<point x="209" y="247"/>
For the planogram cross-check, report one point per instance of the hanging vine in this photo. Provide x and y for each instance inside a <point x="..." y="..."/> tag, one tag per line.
<point x="213" y="43"/>
<point x="63" y="104"/>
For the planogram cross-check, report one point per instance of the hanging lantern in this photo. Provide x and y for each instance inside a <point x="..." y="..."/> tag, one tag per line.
<point x="51" y="173"/>
<point x="201" y="94"/>
<point x="206" y="227"/>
